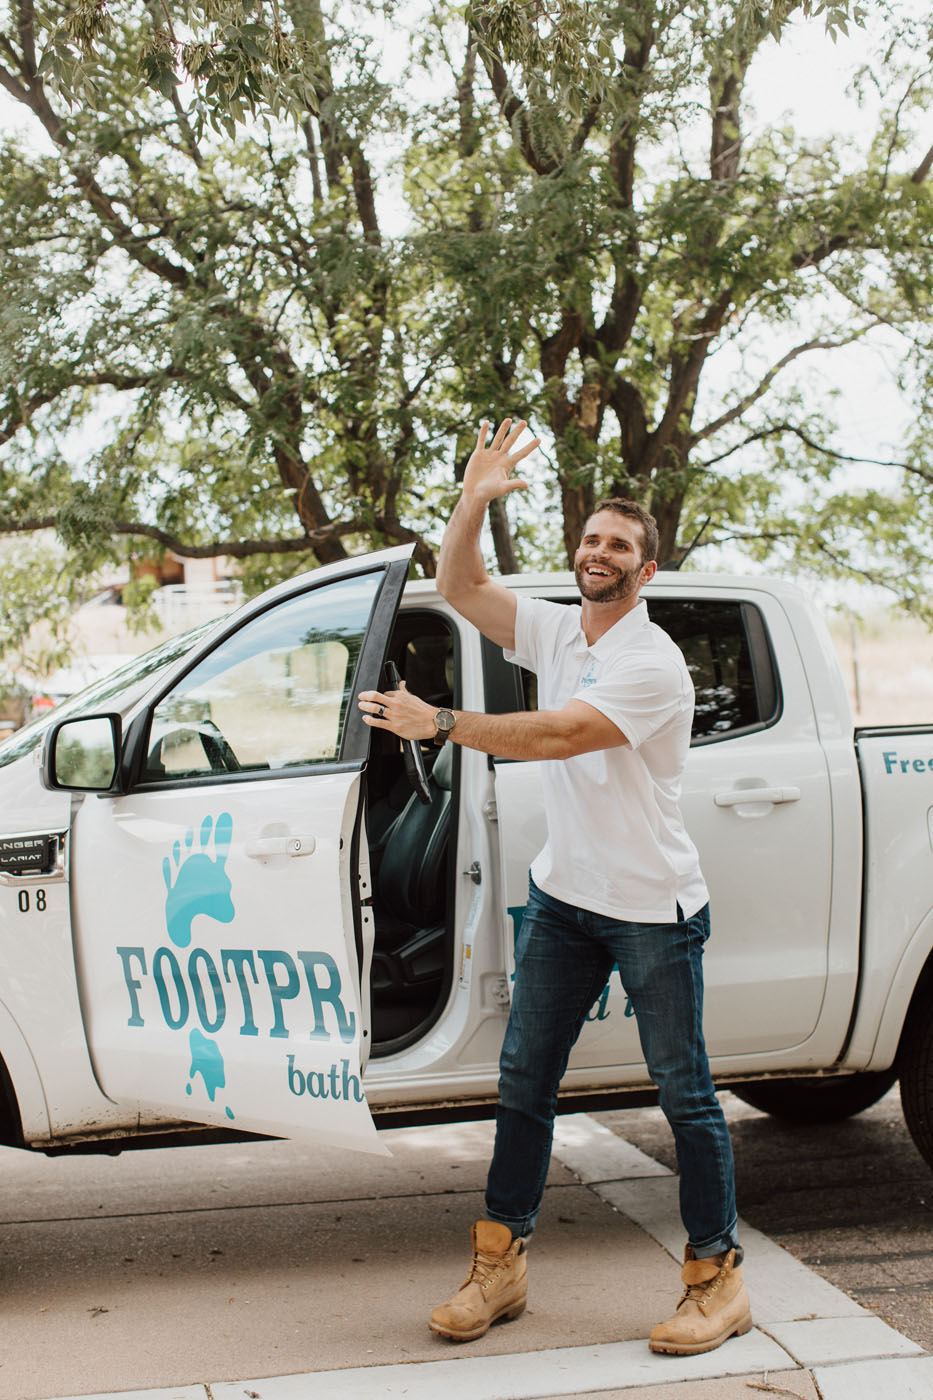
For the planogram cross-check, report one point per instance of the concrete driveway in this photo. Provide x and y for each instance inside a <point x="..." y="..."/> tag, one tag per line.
<point x="176" y="1270"/>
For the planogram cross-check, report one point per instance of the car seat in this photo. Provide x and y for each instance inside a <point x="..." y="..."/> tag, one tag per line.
<point x="409" y="906"/>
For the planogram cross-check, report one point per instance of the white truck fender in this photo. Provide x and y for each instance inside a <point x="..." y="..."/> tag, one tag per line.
<point x="875" y="1040"/>
<point x="24" y="1076"/>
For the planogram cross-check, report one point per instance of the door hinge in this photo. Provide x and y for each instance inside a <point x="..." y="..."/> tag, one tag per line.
<point x="490" y="810"/>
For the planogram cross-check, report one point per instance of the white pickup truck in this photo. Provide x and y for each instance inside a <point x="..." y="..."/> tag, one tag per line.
<point x="224" y="909"/>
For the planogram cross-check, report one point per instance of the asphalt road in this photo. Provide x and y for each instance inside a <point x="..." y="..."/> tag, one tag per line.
<point x="853" y="1200"/>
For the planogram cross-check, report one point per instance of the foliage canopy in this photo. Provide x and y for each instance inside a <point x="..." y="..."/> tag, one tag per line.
<point x="266" y="268"/>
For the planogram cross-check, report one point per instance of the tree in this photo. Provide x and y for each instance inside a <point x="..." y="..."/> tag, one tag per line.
<point x="226" y="319"/>
<point x="205" y="335"/>
<point x="31" y="595"/>
<point x="650" y="255"/>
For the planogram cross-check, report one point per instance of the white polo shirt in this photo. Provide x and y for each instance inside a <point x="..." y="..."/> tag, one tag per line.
<point x="616" y="838"/>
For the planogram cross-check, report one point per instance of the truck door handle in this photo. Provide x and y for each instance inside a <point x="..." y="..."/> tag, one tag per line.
<point x="265" y="846"/>
<point x="774" y="795"/>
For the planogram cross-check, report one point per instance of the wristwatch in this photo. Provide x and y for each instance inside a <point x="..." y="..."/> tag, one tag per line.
<point x="444" y="722"/>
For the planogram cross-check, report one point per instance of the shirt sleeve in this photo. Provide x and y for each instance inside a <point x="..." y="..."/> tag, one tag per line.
<point x="640" y="695"/>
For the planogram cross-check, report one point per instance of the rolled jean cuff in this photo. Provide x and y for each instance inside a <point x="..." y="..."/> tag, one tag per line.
<point x="522" y="1227"/>
<point x="720" y="1244"/>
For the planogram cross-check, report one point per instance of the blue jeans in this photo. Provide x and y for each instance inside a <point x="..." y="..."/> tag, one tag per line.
<point x="563" y="957"/>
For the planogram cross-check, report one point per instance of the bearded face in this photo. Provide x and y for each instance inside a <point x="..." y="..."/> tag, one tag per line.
<point x="608" y="564"/>
<point x="601" y="582"/>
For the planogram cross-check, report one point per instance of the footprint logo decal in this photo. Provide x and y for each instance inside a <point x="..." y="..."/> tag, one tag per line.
<point x="197" y="883"/>
<point x="207" y="1061"/>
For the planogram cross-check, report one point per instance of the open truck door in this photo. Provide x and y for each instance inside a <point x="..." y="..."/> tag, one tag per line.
<point x="220" y="886"/>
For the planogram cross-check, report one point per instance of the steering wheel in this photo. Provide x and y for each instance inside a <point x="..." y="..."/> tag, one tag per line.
<point x="216" y="749"/>
<point x="411" y="749"/>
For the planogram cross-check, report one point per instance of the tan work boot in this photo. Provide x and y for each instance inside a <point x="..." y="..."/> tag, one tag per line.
<point x="714" y="1307"/>
<point x="496" y="1286"/>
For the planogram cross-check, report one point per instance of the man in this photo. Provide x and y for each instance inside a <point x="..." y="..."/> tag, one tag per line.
<point x="617" y="882"/>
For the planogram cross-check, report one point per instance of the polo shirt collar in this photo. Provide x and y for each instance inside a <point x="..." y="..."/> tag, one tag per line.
<point x="620" y="632"/>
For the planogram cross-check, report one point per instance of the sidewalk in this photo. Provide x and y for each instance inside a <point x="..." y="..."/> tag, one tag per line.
<point x="339" y="1312"/>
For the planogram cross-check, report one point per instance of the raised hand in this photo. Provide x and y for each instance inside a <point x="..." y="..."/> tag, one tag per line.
<point x="489" y="471"/>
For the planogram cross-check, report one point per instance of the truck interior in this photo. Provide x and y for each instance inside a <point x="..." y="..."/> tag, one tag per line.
<point x="410" y="848"/>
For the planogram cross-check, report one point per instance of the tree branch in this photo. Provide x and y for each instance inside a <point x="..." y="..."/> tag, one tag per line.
<point x="587" y="122"/>
<point x="187" y="133"/>
<point x="881" y="577"/>
<point x="765" y="383"/>
<point x="27" y="37"/>
<point x="468" y="127"/>
<point x="923" y="169"/>
<point x="512" y="107"/>
<point x="33" y="96"/>
<point x="307" y="128"/>
<point x="686" y="366"/>
<point x="7" y="81"/>
<point x="626" y="298"/>
<point x="108" y="379"/>
<point x="234" y="549"/>
<point x="819" y="251"/>
<point x="776" y="429"/>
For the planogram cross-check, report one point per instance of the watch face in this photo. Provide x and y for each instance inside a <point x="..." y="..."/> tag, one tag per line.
<point x="445" y="720"/>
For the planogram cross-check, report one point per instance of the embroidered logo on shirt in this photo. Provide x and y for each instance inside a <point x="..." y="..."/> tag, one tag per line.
<point x="589" y="676"/>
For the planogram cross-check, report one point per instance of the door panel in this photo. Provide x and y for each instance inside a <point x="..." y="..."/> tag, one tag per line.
<point x="218" y="982"/>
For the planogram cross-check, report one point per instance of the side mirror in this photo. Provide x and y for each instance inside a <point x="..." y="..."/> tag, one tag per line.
<point x="82" y="755"/>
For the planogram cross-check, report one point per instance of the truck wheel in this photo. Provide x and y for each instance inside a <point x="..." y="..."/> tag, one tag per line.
<point x="821" y="1100"/>
<point x="916" y="1067"/>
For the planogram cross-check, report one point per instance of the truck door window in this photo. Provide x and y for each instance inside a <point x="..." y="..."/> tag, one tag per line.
<point x="727" y="653"/>
<point x="725" y="645"/>
<point x="272" y="696"/>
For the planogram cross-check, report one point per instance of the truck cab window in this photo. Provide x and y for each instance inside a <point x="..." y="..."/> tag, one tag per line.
<point x="725" y="645"/>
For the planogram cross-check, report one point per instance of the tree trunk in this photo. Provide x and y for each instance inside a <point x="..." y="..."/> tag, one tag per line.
<point x="666" y="508"/>
<point x="502" y="539"/>
<point x="577" y="504"/>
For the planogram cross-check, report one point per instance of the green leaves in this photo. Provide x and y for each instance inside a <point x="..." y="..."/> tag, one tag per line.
<point x="265" y="279"/>
<point x="241" y="66"/>
<point x="157" y="62"/>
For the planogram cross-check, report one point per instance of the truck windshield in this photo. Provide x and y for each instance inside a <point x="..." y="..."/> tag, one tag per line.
<point x="133" y="676"/>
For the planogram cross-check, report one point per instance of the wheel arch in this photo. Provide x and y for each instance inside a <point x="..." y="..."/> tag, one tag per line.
<point x="24" y="1114"/>
<point x="11" y="1124"/>
<point x="921" y="1001"/>
<point x="911" y="983"/>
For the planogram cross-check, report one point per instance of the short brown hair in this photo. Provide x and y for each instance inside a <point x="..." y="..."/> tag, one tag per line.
<point x="631" y="509"/>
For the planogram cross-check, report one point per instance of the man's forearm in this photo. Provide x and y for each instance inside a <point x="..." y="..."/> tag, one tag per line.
<point x="543" y="734"/>
<point x="460" y="564"/>
<point x="520" y="736"/>
<point x="528" y="734"/>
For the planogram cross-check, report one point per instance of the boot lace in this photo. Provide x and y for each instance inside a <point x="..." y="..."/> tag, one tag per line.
<point x="700" y="1293"/>
<point x="486" y="1267"/>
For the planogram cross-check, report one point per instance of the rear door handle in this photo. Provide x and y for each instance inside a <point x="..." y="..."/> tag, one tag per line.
<point x="265" y="846"/>
<point x="774" y="795"/>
